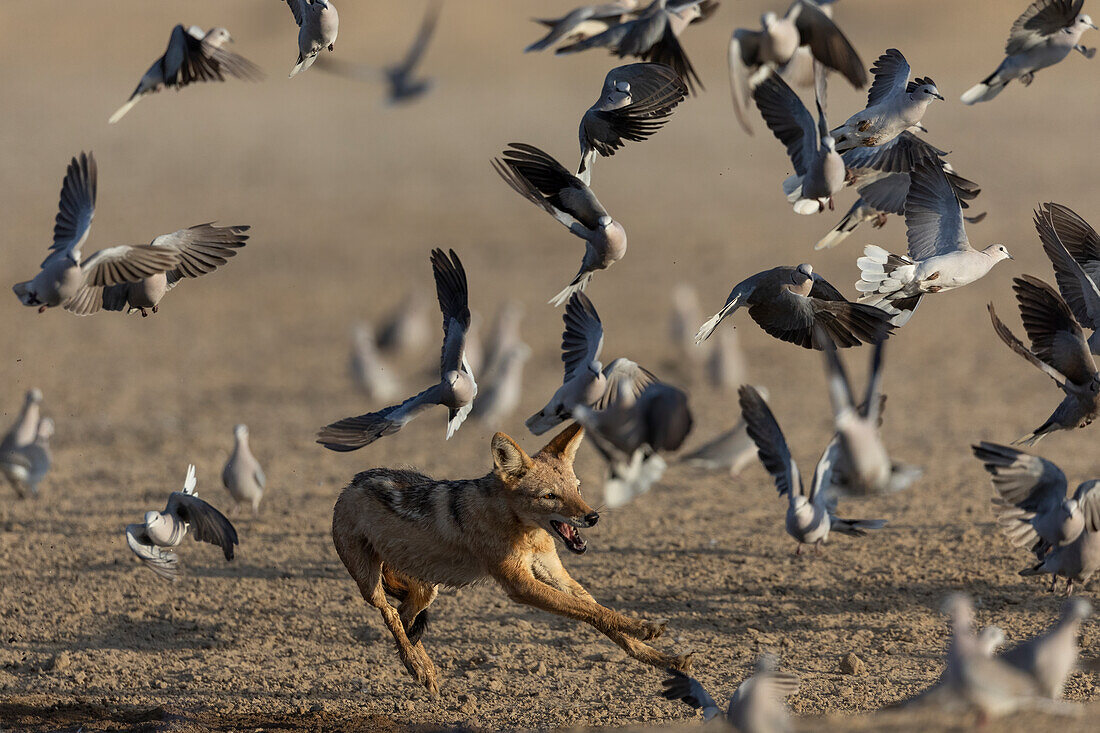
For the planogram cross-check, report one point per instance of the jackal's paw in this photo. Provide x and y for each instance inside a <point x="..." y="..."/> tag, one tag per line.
<point x="681" y="663"/>
<point x="653" y="629"/>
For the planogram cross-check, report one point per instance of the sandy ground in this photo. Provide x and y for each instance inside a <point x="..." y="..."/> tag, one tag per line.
<point x="346" y="197"/>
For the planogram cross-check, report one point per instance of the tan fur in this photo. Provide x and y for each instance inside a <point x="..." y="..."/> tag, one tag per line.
<point x="410" y="533"/>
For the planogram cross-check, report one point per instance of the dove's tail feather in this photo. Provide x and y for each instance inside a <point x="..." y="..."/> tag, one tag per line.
<point x="541" y="421"/>
<point x="304" y="62"/>
<point x="844" y="227"/>
<point x="984" y="90"/>
<point x="808" y="207"/>
<point x="708" y="328"/>
<point x="883" y="277"/>
<point x="121" y="111"/>
<point x="580" y="282"/>
<point x="1037" y="434"/>
<point x="855" y="527"/>
<point x="1036" y="569"/>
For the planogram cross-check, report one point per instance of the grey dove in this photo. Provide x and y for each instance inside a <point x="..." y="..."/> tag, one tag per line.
<point x="860" y="463"/>
<point x="192" y="56"/>
<point x="806" y="26"/>
<point x="653" y="35"/>
<point x="894" y="104"/>
<point x="1051" y="657"/>
<point x="943" y="695"/>
<point x="546" y="183"/>
<point x="1042" y="36"/>
<point x="25" y="428"/>
<point x="757" y="706"/>
<point x="586" y="380"/>
<point x="1076" y="562"/>
<point x="818" y="167"/>
<point x="67" y="278"/>
<point x="201" y="250"/>
<point x="940" y="255"/>
<point x="242" y="475"/>
<point x="1058" y="349"/>
<point x="376" y="379"/>
<point x="318" y="25"/>
<point x="1032" y="503"/>
<point x="504" y="334"/>
<point x="502" y="387"/>
<point x="456" y="388"/>
<point x="25" y="466"/>
<point x="407" y="330"/>
<point x="788" y="302"/>
<point x="155" y="539"/>
<point x="1073" y="248"/>
<point x="636" y="101"/>
<point x="732" y="450"/>
<point x="686" y="312"/>
<point x="725" y="366"/>
<point x="583" y="22"/>
<point x="811" y="511"/>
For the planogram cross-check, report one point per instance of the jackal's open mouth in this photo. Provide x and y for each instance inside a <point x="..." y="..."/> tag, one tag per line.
<point x="570" y="536"/>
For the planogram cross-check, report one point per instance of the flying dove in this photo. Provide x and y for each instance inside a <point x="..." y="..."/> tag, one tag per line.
<point x="546" y="183"/>
<point x="154" y="539"/>
<point x="456" y="389"/>
<point x="201" y="249"/>
<point x="894" y="104"/>
<point x="653" y="35"/>
<point x="787" y="302"/>
<point x="368" y="370"/>
<point x="1050" y="658"/>
<point x="583" y="22"/>
<point x="318" y="24"/>
<point x="192" y="56"/>
<point x="25" y="466"/>
<point x="586" y="381"/>
<point x="940" y="256"/>
<point x="66" y="278"/>
<point x="1073" y="248"/>
<point x="1044" y="35"/>
<point x="1058" y="349"/>
<point x="757" y="706"/>
<point x="636" y="101"/>
<point x="1032" y="505"/>
<point x="811" y="513"/>
<point x="818" y="167"/>
<point x="805" y="26"/>
<point x="242" y="475"/>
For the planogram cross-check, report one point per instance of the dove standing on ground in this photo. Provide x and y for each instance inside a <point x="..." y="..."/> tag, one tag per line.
<point x="860" y="464"/>
<point x="586" y="380"/>
<point x="940" y="255"/>
<point x="1044" y="35"/>
<point x="733" y="450"/>
<point x="1032" y="505"/>
<point x="894" y="104"/>
<point x="583" y="22"/>
<point x="192" y="56"/>
<point x="788" y="302"/>
<point x="407" y="330"/>
<point x="318" y="24"/>
<point x="653" y="35"/>
<point x="154" y="539"/>
<point x="1058" y="349"/>
<point x="725" y="367"/>
<point x="818" y="168"/>
<point x="23" y="432"/>
<point x="780" y="39"/>
<point x="502" y="387"/>
<point x="242" y="475"/>
<point x="1073" y="248"/>
<point x="456" y="389"/>
<point x="201" y="249"/>
<point x="811" y="514"/>
<point x="25" y="466"/>
<point x="635" y="102"/>
<point x="504" y="334"/>
<point x="67" y="279"/>
<point x="1050" y="658"/>
<point x="370" y="373"/>
<point x="543" y="181"/>
<point x="686" y="312"/>
<point x="757" y="706"/>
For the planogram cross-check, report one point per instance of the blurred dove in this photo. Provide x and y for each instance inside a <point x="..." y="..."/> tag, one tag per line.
<point x="758" y="705"/>
<point x="733" y="450"/>
<point x="686" y="312"/>
<point x="318" y="24"/>
<point x="192" y="56"/>
<point x="25" y="429"/>
<point x="371" y="374"/>
<point x="25" y="466"/>
<point x="407" y="330"/>
<point x="543" y="181"/>
<point x="1044" y="35"/>
<point x="725" y="367"/>
<point x="66" y="278"/>
<point x="152" y="540"/>
<point x="1058" y="349"/>
<point x="502" y="386"/>
<point x="504" y="334"/>
<point x="787" y="302"/>
<point x="242" y="475"/>
<point x="1050" y="658"/>
<point x="1073" y="247"/>
<point x="583" y="22"/>
<point x="811" y="514"/>
<point x="456" y="389"/>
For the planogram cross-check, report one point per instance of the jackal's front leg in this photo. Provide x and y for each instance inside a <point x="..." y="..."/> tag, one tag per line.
<point x="522" y="586"/>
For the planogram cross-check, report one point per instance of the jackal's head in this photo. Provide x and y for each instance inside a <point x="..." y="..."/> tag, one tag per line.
<point x="542" y="490"/>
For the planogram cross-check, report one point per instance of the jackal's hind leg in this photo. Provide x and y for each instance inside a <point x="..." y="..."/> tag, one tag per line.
<point x="413" y="609"/>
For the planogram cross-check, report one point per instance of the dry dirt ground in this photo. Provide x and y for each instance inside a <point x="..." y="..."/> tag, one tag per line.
<point x="346" y="197"/>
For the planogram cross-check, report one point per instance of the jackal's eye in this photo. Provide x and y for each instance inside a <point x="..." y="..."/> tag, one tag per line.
<point x="550" y="496"/>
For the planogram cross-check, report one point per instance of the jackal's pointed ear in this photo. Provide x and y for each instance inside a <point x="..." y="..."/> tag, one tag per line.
<point x="508" y="457"/>
<point x="565" y="444"/>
